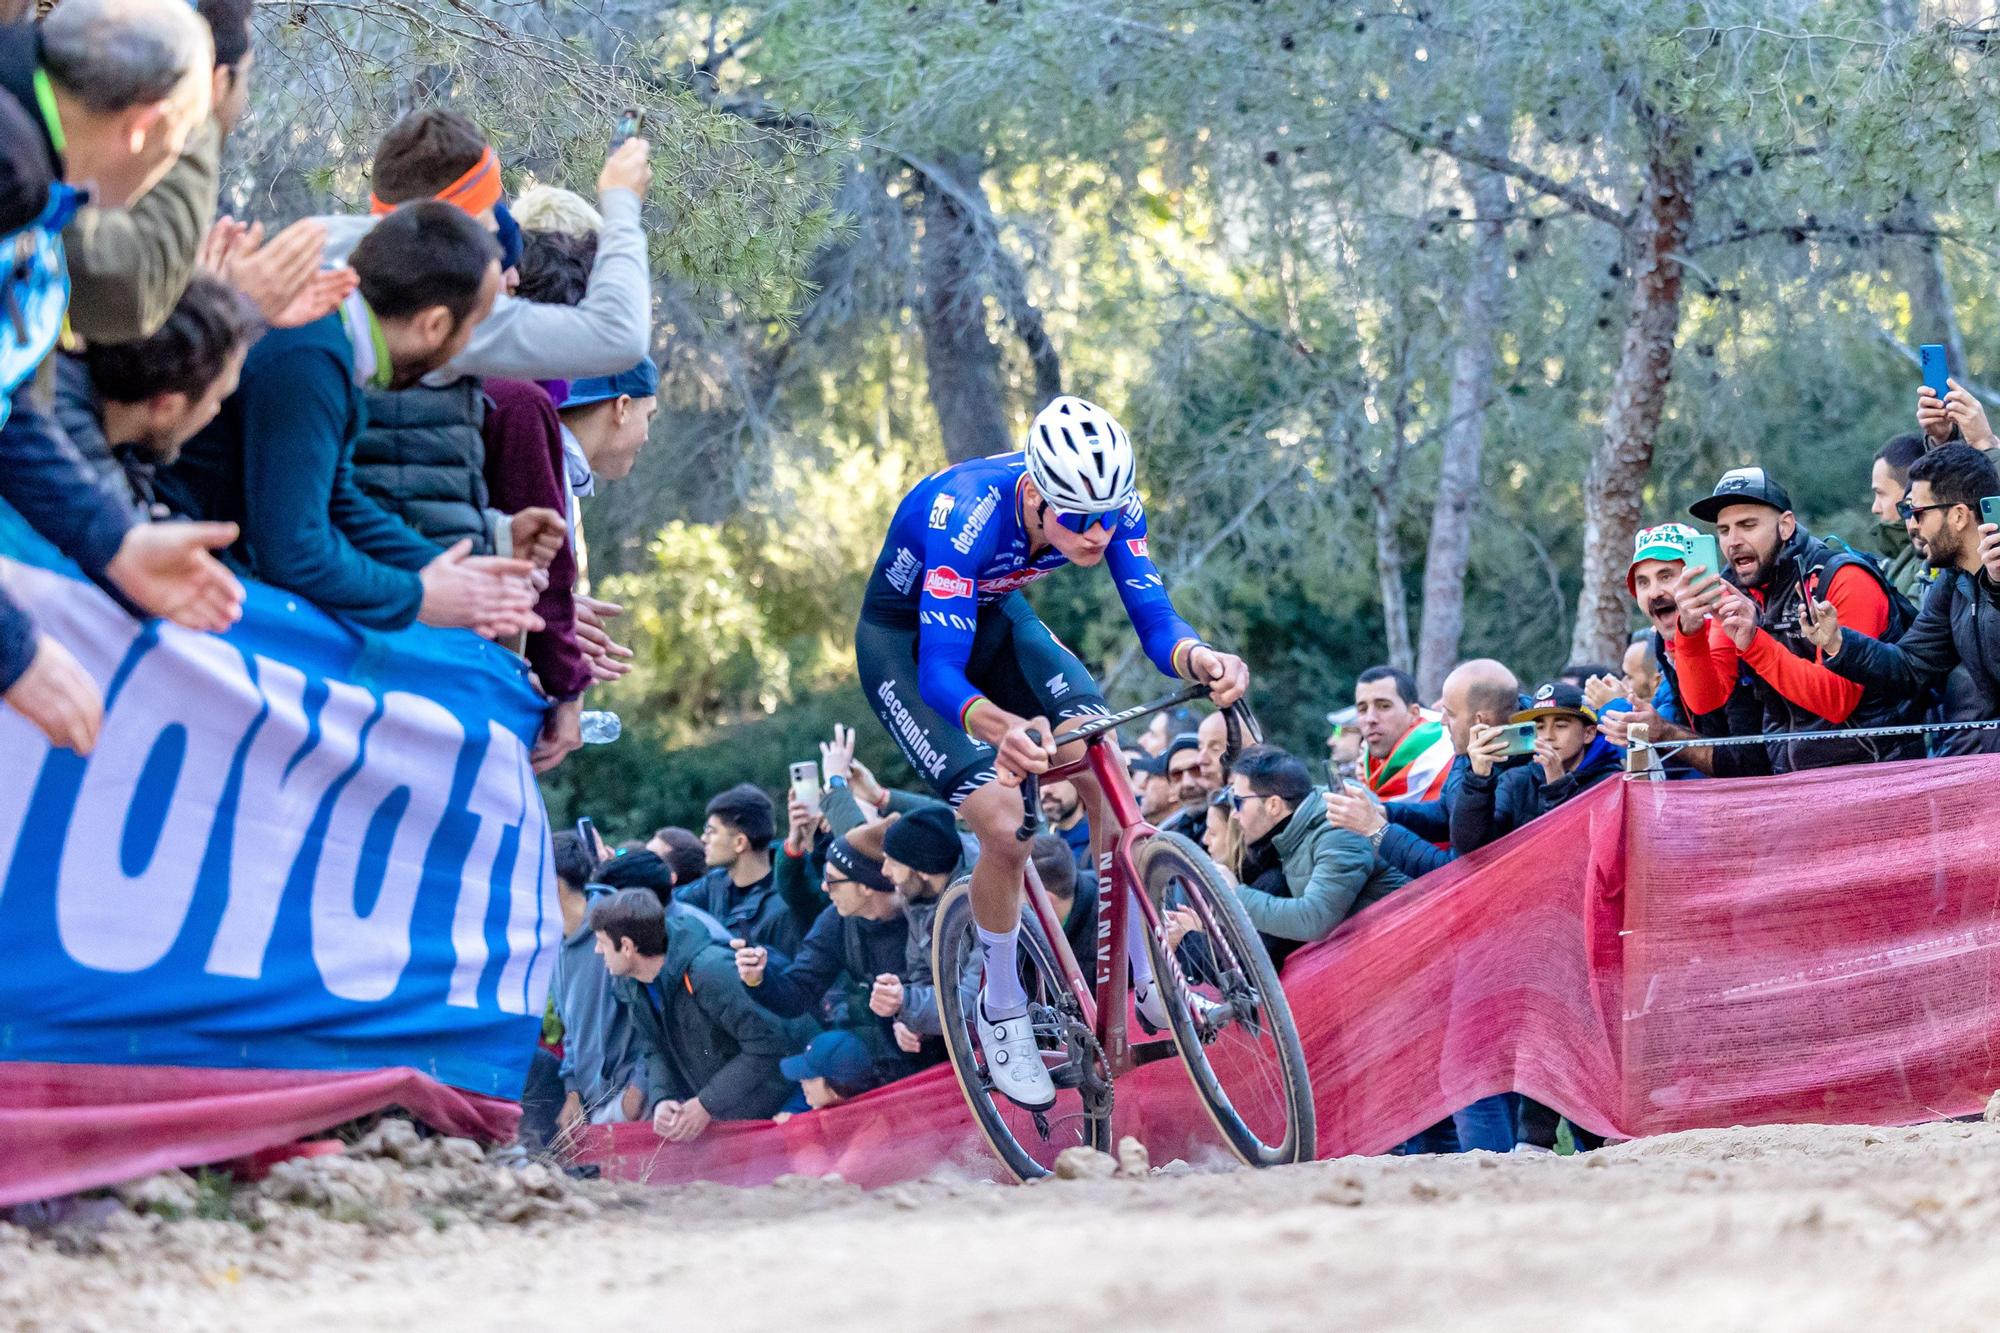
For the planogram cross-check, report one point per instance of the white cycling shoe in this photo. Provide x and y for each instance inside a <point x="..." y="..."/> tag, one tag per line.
<point x="1013" y="1061"/>
<point x="1151" y="1002"/>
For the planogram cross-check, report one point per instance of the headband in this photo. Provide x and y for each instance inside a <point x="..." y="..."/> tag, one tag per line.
<point x="475" y="192"/>
<point x="861" y="869"/>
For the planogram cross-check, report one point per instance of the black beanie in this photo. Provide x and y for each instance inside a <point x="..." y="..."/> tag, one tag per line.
<point x="925" y="840"/>
<point x="638" y="869"/>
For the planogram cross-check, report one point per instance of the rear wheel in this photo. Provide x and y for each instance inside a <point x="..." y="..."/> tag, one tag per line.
<point x="1027" y="1141"/>
<point x="1230" y="1017"/>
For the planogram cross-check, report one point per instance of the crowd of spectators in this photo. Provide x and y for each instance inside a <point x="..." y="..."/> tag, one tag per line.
<point x="1796" y="649"/>
<point x="393" y="414"/>
<point x="365" y="410"/>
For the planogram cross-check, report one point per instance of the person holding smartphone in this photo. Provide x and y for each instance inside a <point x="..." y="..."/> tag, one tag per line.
<point x="1748" y="629"/>
<point x="1953" y="647"/>
<point x="1570" y="758"/>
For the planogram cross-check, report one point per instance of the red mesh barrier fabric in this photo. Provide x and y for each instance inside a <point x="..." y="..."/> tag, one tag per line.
<point x="1653" y="957"/>
<point x="1820" y="947"/>
<point x="65" y="1128"/>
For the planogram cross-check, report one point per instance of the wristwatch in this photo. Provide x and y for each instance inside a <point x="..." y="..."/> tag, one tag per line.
<point x="1375" y="838"/>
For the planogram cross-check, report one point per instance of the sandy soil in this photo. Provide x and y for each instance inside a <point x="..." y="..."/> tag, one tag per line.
<point x="1766" y="1229"/>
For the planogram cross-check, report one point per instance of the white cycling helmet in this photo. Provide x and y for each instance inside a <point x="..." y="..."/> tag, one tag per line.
<point x="1080" y="458"/>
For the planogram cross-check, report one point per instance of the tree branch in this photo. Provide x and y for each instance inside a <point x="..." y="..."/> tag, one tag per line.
<point x="1541" y="182"/>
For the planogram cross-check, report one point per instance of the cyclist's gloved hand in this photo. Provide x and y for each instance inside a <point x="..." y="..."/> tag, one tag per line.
<point x="1226" y="675"/>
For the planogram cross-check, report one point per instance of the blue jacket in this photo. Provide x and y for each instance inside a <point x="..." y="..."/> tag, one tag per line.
<point x="279" y="460"/>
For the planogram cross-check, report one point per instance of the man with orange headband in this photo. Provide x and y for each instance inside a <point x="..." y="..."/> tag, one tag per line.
<point x="438" y="154"/>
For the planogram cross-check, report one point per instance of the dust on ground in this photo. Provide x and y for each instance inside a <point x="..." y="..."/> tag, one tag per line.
<point x="1787" y="1227"/>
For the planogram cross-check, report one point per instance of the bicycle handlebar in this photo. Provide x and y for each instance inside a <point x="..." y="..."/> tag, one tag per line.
<point x="1240" y="724"/>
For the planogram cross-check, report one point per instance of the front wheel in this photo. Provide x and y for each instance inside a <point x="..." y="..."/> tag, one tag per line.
<point x="1027" y="1141"/>
<point x="1230" y="1017"/>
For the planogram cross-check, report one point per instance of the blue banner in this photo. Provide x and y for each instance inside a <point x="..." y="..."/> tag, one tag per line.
<point x="296" y="846"/>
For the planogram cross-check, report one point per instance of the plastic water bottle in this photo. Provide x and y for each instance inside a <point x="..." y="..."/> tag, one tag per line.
<point x="599" y="728"/>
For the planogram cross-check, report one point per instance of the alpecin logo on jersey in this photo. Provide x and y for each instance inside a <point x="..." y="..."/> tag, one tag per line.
<point x="904" y="569"/>
<point x="1137" y="546"/>
<point x="945" y="582"/>
<point x="975" y="522"/>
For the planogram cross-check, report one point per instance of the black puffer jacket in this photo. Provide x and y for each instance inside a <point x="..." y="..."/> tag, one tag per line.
<point x="1955" y="638"/>
<point x="1491" y="806"/>
<point x="423" y="458"/>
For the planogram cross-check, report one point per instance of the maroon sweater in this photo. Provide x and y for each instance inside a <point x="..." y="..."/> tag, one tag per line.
<point x="524" y="468"/>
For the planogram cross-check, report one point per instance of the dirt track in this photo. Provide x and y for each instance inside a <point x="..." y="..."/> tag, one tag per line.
<point x="1785" y="1228"/>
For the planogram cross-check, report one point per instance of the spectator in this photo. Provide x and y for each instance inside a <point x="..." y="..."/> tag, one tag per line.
<point x="1212" y="739"/>
<point x="129" y="407"/>
<point x="1570" y="758"/>
<point x="609" y="417"/>
<point x="1654" y="578"/>
<point x="1160" y="732"/>
<point x="641" y="869"/>
<point x="279" y="456"/>
<point x="1074" y="896"/>
<point x="1328" y="873"/>
<point x="1187" y="778"/>
<point x="1775" y="568"/>
<point x="1154" y="788"/>
<point x="1414" y="837"/>
<point x="521" y="444"/>
<point x="681" y="849"/>
<point x="1959" y="625"/>
<point x="439" y="154"/>
<point x="550" y="209"/>
<point x="1343" y="743"/>
<point x="1407" y="753"/>
<point x="706" y="1051"/>
<point x="923" y="854"/>
<point x="1889" y="485"/>
<point x="123" y="83"/>
<point x="597" y="1058"/>
<point x="1062" y="809"/>
<point x="853" y="956"/>
<point x="833" y="1067"/>
<point x="739" y="890"/>
<point x="1641" y="671"/>
<point x="1958" y="416"/>
<point x="128" y="266"/>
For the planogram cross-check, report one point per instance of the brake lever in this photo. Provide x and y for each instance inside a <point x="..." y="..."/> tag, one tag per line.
<point x="1031" y="804"/>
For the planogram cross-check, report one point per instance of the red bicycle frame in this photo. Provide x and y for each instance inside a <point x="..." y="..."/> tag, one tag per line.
<point x="1118" y="881"/>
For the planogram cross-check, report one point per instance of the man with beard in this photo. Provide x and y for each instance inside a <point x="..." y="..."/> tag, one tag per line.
<point x="1062" y="808"/>
<point x="1908" y="567"/>
<point x="1660" y="557"/>
<point x="1187" y="778"/>
<point x="1746" y="632"/>
<point x="1958" y="631"/>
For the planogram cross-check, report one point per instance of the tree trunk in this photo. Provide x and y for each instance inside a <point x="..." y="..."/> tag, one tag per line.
<point x="961" y="361"/>
<point x="1612" y="494"/>
<point x="1465" y="429"/>
<point x="1389" y="573"/>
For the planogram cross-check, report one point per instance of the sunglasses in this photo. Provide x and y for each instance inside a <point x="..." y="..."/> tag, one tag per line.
<point x="1081" y="523"/>
<point x="1907" y="511"/>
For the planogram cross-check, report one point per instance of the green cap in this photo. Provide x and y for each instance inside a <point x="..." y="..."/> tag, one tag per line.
<point x="1668" y="541"/>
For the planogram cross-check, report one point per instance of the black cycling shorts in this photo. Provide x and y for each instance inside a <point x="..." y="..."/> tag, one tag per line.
<point x="1016" y="662"/>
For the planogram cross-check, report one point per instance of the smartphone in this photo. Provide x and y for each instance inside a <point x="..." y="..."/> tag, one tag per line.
<point x="1520" y="738"/>
<point x="1707" y="555"/>
<point x="1989" y="509"/>
<point x="627" y="127"/>
<point x="1936" y="369"/>
<point x="806" y="784"/>
<point x="587" y="831"/>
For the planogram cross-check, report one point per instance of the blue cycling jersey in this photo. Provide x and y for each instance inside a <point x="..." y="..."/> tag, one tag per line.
<point x="957" y="544"/>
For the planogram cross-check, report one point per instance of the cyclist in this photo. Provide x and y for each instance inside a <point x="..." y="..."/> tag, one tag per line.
<point x="967" y="678"/>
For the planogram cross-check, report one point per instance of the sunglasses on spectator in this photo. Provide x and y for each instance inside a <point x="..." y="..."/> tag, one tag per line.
<point x="1081" y="523"/>
<point x="1907" y="511"/>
